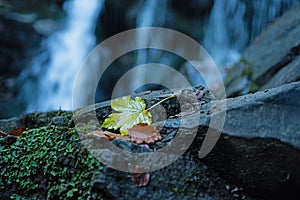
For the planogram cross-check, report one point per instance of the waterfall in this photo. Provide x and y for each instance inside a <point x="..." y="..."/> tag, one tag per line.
<point x="226" y="33"/>
<point x="68" y="48"/>
<point x="265" y="12"/>
<point x="230" y="27"/>
<point x="233" y="24"/>
<point x="152" y="14"/>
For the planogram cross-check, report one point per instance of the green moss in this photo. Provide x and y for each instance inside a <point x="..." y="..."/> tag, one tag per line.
<point x="248" y="69"/>
<point x="190" y="186"/>
<point x="87" y="127"/>
<point x="47" y="162"/>
<point x="254" y="87"/>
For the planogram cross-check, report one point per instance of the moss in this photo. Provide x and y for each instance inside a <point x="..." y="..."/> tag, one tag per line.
<point x="47" y="162"/>
<point x="248" y="69"/>
<point x="191" y="184"/>
<point x="88" y="126"/>
<point x="254" y="87"/>
<point x="240" y="79"/>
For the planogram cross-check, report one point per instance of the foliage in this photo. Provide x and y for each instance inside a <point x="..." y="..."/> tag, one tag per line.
<point x="129" y="112"/>
<point x="47" y="162"/>
<point x="139" y="133"/>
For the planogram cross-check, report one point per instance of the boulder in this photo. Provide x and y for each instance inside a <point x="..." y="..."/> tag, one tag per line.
<point x="289" y="73"/>
<point x="263" y="168"/>
<point x="256" y="156"/>
<point x="183" y="179"/>
<point x="272" y="113"/>
<point x="37" y="119"/>
<point x="275" y="51"/>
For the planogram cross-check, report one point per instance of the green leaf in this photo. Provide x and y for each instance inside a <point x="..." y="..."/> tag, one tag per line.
<point x="129" y="112"/>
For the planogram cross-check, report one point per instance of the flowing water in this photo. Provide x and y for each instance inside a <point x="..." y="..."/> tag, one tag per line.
<point x="68" y="48"/>
<point x="233" y="24"/>
<point x="227" y="32"/>
<point x="152" y="14"/>
<point x="230" y="27"/>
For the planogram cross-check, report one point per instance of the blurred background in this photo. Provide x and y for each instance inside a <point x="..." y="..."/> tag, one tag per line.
<point x="43" y="43"/>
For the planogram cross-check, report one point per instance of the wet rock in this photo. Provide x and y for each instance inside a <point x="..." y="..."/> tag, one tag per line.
<point x="289" y="73"/>
<point x="264" y="168"/>
<point x="270" y="113"/>
<point x="267" y="114"/>
<point x="184" y="179"/>
<point x="130" y="147"/>
<point x="7" y="125"/>
<point x="275" y="51"/>
<point x="60" y="121"/>
<point x="249" y="155"/>
<point x="248" y="161"/>
<point x="35" y="120"/>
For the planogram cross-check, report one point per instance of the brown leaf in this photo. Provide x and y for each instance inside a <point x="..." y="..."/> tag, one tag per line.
<point x="107" y="134"/>
<point x="142" y="132"/>
<point x="18" y="131"/>
<point x="141" y="180"/>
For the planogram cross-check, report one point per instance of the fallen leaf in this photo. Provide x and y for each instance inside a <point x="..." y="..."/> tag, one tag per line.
<point x="141" y="180"/>
<point x="107" y="134"/>
<point x="142" y="132"/>
<point x="18" y="131"/>
<point x="129" y="112"/>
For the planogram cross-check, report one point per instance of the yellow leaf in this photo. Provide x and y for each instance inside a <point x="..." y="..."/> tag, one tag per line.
<point x="129" y="112"/>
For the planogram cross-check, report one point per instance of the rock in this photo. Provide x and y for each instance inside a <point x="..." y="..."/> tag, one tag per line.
<point x="275" y="51"/>
<point x="60" y="121"/>
<point x="35" y="120"/>
<point x="130" y="147"/>
<point x="249" y="155"/>
<point x="248" y="161"/>
<point x="184" y="179"/>
<point x="7" y="125"/>
<point x="265" y="114"/>
<point x="270" y="113"/>
<point x="263" y="168"/>
<point x="289" y="73"/>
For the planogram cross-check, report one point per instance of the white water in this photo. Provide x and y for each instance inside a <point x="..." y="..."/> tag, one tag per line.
<point x="229" y="31"/>
<point x="226" y="24"/>
<point x="68" y="49"/>
<point x="152" y="14"/>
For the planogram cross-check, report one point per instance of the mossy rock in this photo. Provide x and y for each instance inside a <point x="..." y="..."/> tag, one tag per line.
<point x="47" y="163"/>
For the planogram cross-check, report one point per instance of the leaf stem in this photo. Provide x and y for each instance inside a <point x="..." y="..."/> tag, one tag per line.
<point x="165" y="99"/>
